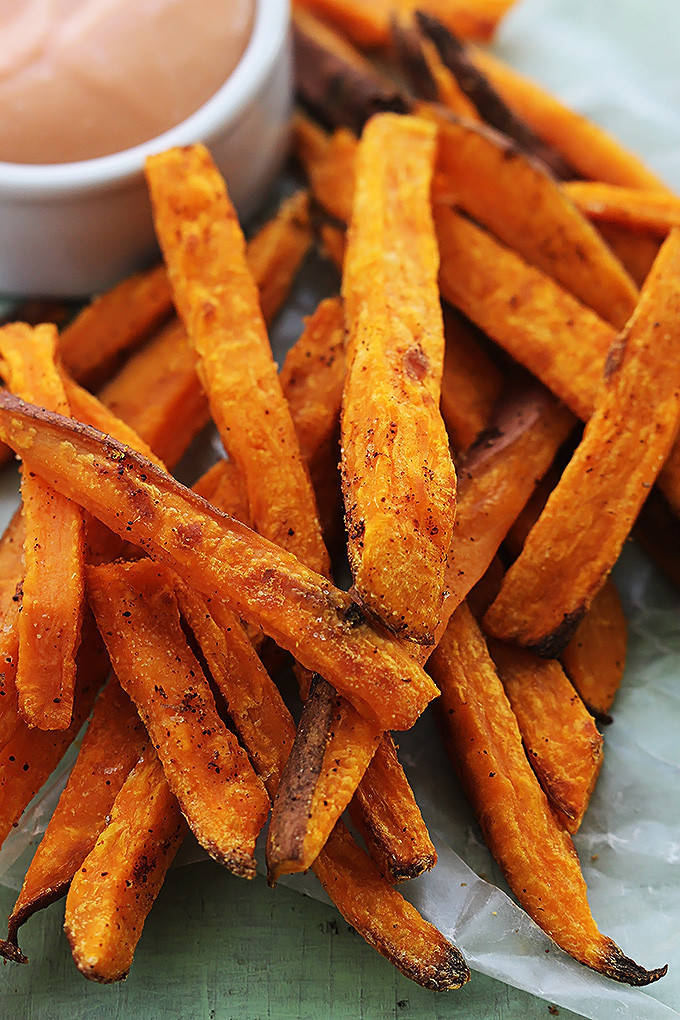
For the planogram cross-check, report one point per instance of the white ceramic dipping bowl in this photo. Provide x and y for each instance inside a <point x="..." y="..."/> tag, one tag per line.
<point x="74" y="229"/>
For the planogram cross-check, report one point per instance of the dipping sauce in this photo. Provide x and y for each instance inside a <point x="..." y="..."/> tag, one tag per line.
<point x="86" y="78"/>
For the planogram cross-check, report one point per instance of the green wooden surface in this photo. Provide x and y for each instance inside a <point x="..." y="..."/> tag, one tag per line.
<point x="218" y="948"/>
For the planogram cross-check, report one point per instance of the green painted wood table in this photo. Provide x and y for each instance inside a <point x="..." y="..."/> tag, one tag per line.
<point x="218" y="948"/>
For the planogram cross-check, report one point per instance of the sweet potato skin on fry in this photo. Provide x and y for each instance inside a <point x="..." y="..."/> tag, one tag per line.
<point x="398" y="479"/>
<point x="576" y="540"/>
<point x="112" y="893"/>
<point x="536" y="855"/>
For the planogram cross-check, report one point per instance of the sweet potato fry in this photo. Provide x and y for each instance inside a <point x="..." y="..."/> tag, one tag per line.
<point x="574" y="544"/>
<point x="595" y="657"/>
<point x="113" y="324"/>
<point x="51" y="607"/>
<point x="331" y="174"/>
<point x="368" y="24"/>
<point x="335" y="81"/>
<point x="30" y="755"/>
<point x="158" y="393"/>
<point x="205" y="252"/>
<point x="634" y="250"/>
<point x="655" y="212"/>
<point x="536" y="855"/>
<point x="276" y="251"/>
<point x="558" y="732"/>
<point x="471" y="382"/>
<point x="313" y="375"/>
<point x="592" y="152"/>
<point x="112" y="892"/>
<point x="430" y="79"/>
<point x="377" y="911"/>
<point x="400" y="489"/>
<point x="498" y="186"/>
<point x="536" y="321"/>
<point x="113" y="742"/>
<point x="496" y="478"/>
<point x="220" y="796"/>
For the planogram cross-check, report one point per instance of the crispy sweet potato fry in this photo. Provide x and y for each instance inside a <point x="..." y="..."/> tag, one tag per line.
<point x="30" y="755"/>
<point x="536" y="855"/>
<point x="399" y="489"/>
<point x="571" y="549"/>
<point x="205" y="252"/>
<point x="496" y="478"/>
<point x="49" y="624"/>
<point x="158" y="393"/>
<point x="113" y="742"/>
<point x="112" y="324"/>
<point x="112" y="892"/>
<point x="591" y="151"/>
<point x="634" y="249"/>
<point x="471" y="382"/>
<point x="276" y="252"/>
<point x="222" y="559"/>
<point x="331" y="174"/>
<point x="220" y="796"/>
<point x="501" y="188"/>
<point x="595" y="657"/>
<point x="558" y="732"/>
<point x="655" y="212"/>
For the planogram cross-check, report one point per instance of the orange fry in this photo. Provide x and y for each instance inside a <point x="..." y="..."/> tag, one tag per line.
<point x="49" y="624"/>
<point x="218" y="301"/>
<point x="220" y="796"/>
<point x="398" y="480"/>
<point x="574" y="544"/>
<point x="536" y="855"/>
<point x="656" y="211"/>
<point x="113" y="891"/>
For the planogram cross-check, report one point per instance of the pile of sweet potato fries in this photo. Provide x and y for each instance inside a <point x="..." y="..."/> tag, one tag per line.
<point x="508" y="273"/>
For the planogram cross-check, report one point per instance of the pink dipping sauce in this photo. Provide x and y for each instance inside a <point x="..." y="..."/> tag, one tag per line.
<point x="86" y="78"/>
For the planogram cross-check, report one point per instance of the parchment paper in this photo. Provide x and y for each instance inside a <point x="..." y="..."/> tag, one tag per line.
<point x="617" y="62"/>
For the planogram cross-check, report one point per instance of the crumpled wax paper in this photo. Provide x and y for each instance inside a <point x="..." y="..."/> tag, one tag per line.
<point x="615" y="61"/>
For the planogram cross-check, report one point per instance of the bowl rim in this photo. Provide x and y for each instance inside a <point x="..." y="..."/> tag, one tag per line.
<point x="38" y="180"/>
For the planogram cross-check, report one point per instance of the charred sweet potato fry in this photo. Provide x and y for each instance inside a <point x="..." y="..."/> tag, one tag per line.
<point x="51" y="607"/>
<point x="218" y="301"/>
<point x="595" y="657"/>
<point x="113" y="741"/>
<point x="592" y="152"/>
<point x="498" y="186"/>
<point x="398" y="479"/>
<point x="112" y="892"/>
<point x="113" y="324"/>
<point x="334" y="80"/>
<point x="488" y="104"/>
<point x="220" y="796"/>
<point x="574" y="544"/>
<point x="536" y="855"/>
<point x="558" y="732"/>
